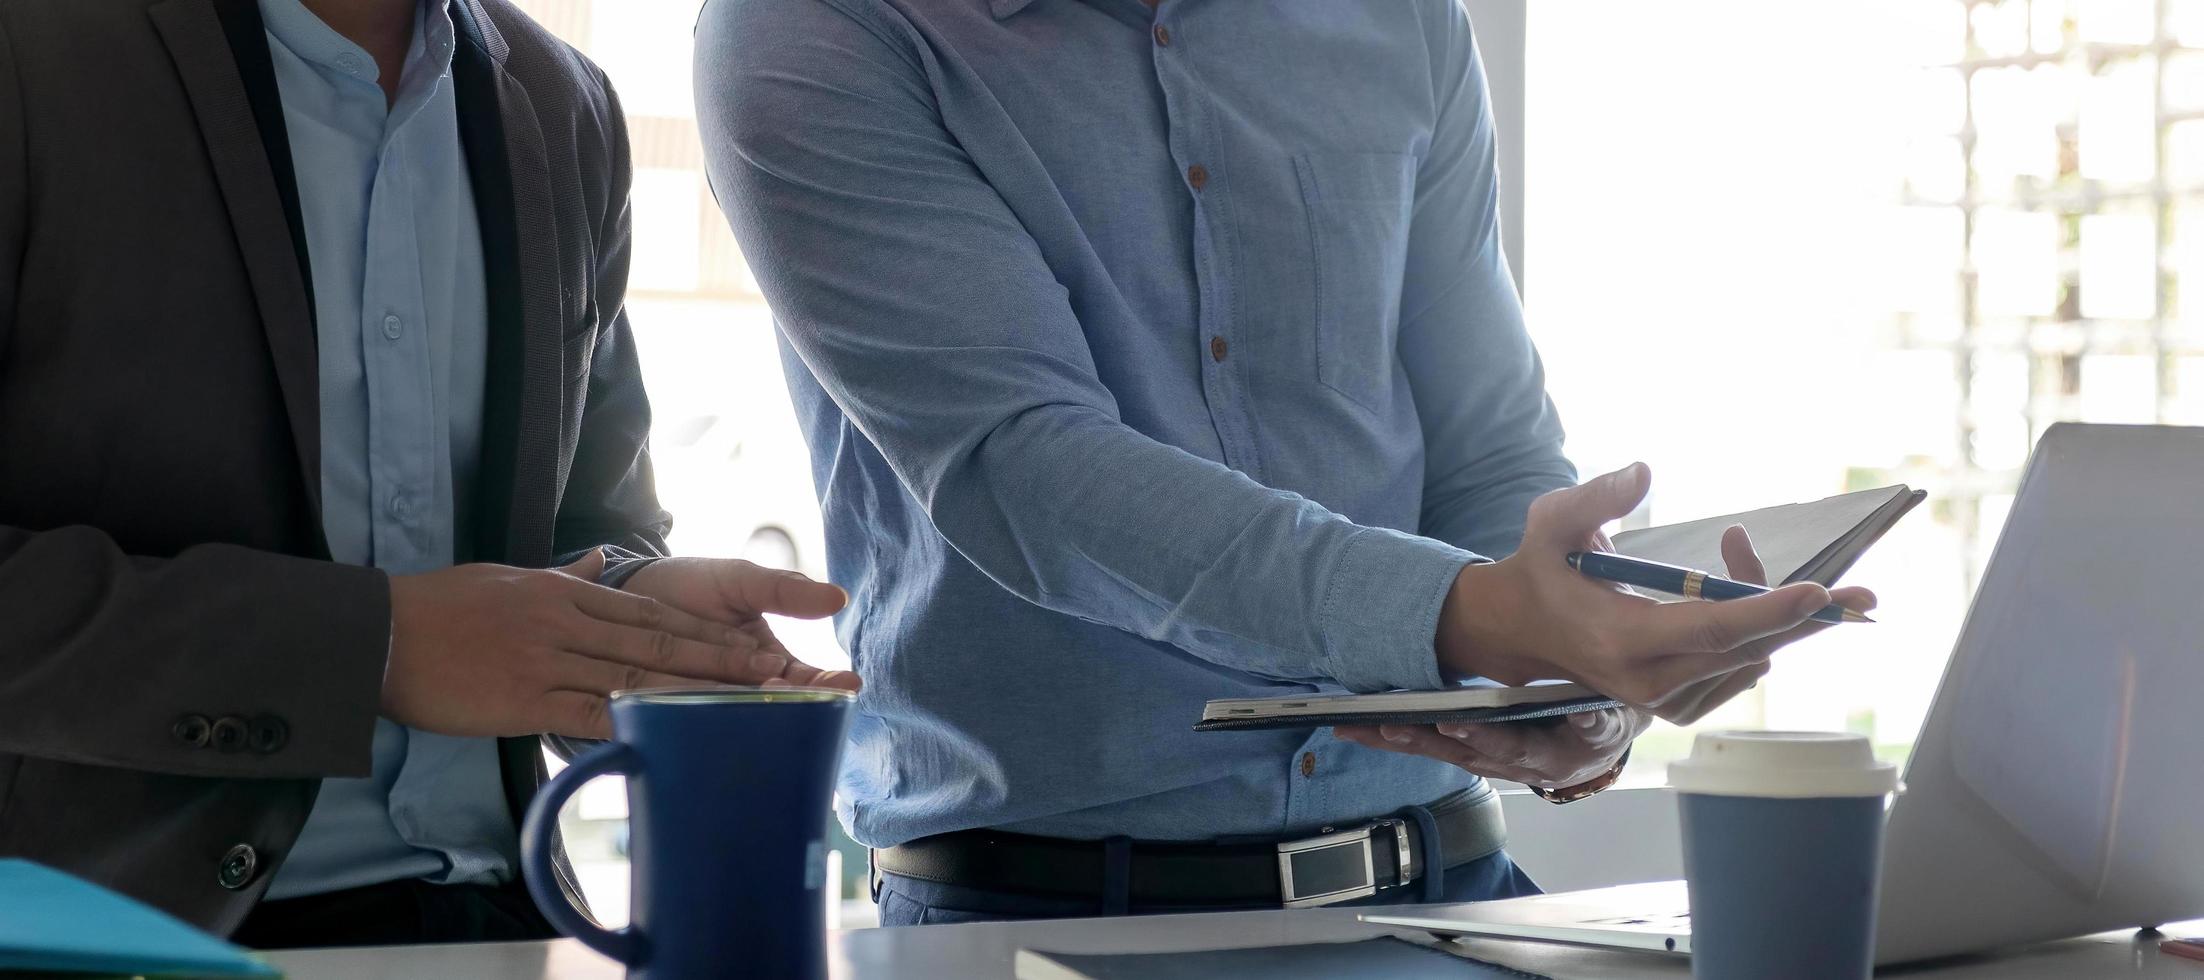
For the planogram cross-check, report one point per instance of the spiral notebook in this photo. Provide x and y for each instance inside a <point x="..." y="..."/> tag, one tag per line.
<point x="1815" y="541"/>
<point x="1482" y="702"/>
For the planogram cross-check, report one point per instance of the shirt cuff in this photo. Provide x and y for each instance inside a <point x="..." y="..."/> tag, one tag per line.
<point x="1381" y="610"/>
<point x="620" y="566"/>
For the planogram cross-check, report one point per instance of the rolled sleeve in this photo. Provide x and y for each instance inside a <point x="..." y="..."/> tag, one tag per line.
<point x="1381" y="610"/>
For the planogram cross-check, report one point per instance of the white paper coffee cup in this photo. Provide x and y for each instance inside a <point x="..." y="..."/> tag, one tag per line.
<point x="1782" y="851"/>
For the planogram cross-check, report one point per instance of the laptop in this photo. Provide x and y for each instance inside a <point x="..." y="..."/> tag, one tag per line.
<point x="2054" y="790"/>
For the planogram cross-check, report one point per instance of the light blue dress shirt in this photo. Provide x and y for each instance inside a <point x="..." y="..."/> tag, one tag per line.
<point x="1145" y="358"/>
<point x="403" y="329"/>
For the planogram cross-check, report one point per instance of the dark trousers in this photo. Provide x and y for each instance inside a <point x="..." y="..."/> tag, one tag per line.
<point x="914" y="902"/>
<point x="397" y="912"/>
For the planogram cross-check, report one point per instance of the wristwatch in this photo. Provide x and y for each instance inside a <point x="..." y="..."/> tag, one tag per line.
<point x="1589" y="787"/>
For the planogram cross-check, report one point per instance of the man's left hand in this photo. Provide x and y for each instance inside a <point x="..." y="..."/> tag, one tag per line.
<point x="739" y="594"/>
<point x="1550" y="755"/>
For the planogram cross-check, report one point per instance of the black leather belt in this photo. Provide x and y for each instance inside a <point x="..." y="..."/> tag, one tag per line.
<point x="1333" y="865"/>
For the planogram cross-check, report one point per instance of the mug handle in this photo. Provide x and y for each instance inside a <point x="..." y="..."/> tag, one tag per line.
<point x="626" y="944"/>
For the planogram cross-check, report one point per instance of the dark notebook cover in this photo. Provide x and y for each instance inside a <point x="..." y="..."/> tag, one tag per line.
<point x="1384" y="958"/>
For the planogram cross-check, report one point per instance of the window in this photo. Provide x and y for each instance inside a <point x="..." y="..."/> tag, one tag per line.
<point x="730" y="463"/>
<point x="1856" y="245"/>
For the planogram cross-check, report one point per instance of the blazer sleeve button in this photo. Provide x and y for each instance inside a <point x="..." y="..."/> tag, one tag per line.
<point x="267" y="733"/>
<point x="192" y="730"/>
<point x="229" y="733"/>
<point x="238" y="867"/>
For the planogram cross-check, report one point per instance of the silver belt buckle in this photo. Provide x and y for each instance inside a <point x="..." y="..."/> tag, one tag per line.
<point x="1338" y="867"/>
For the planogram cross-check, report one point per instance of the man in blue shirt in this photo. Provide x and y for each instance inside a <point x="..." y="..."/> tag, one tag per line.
<point x="1151" y="354"/>
<point x="324" y="483"/>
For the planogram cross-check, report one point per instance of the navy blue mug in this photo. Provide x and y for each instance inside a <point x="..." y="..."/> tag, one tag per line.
<point x="728" y="790"/>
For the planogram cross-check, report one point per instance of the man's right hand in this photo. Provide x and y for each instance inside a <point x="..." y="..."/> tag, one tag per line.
<point x="1532" y="617"/>
<point x="496" y="650"/>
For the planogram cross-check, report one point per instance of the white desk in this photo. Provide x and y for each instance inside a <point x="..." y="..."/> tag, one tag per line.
<point x="979" y="952"/>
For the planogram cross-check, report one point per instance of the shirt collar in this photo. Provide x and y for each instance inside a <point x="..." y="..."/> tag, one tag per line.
<point x="318" y="44"/>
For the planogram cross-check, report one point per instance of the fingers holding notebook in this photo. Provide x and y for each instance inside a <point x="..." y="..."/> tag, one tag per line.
<point x="1530" y="616"/>
<point x="1564" y="753"/>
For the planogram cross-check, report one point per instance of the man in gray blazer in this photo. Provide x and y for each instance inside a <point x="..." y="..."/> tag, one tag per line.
<point x="324" y="487"/>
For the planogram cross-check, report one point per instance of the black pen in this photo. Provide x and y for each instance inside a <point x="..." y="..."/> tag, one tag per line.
<point x="1686" y="582"/>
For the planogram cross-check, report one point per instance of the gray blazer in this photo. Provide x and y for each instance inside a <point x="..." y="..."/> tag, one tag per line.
<point x="179" y="667"/>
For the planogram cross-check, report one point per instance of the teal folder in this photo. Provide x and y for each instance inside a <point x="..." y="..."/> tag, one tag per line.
<point x="51" y="922"/>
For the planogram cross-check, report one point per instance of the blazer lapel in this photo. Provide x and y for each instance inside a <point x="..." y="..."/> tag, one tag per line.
<point x="522" y="438"/>
<point x="516" y="496"/>
<point x="197" y="40"/>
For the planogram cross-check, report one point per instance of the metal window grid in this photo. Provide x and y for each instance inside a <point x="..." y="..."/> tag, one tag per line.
<point x="2054" y="344"/>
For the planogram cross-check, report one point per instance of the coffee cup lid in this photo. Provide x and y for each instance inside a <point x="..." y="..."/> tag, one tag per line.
<point x="1790" y="765"/>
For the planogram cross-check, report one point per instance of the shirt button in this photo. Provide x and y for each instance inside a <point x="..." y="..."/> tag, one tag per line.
<point x="399" y="507"/>
<point x="1217" y="349"/>
<point x="393" y="327"/>
<point x="1198" y="176"/>
<point x="349" y="62"/>
<point x="1308" y="764"/>
<point x="1163" y="36"/>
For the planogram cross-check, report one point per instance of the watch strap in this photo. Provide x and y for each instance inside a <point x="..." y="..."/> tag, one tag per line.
<point x="1587" y="788"/>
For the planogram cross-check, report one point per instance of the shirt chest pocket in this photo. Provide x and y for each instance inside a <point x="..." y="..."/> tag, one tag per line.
<point x="1358" y="209"/>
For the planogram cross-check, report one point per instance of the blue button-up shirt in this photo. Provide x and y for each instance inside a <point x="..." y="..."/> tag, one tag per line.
<point x="1146" y="357"/>
<point x="403" y="326"/>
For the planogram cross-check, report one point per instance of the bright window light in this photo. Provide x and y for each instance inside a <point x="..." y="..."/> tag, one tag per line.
<point x="2119" y="265"/>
